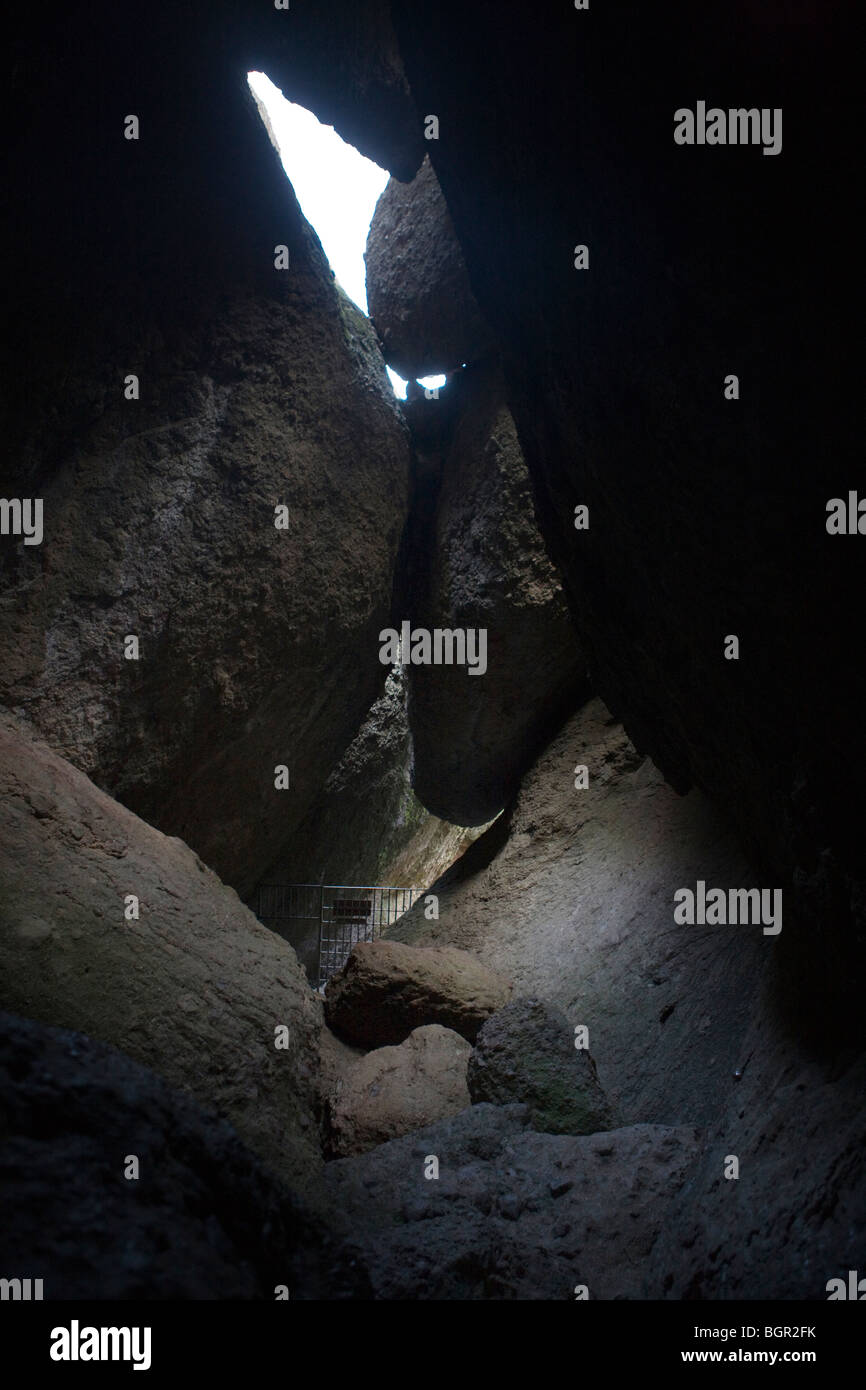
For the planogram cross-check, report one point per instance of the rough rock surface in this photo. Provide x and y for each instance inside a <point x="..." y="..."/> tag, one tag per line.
<point x="194" y="988"/>
<point x="387" y="989"/>
<point x="259" y="388"/>
<point x="513" y="1214"/>
<point x="575" y="904"/>
<point x="616" y="378"/>
<point x="486" y="567"/>
<point x="202" y="1220"/>
<point x="525" y="1053"/>
<point x="796" y="1215"/>
<point x="571" y="893"/>
<point x="417" y="287"/>
<point x="394" y="1090"/>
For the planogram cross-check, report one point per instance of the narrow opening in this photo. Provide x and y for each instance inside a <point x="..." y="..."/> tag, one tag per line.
<point x="337" y="187"/>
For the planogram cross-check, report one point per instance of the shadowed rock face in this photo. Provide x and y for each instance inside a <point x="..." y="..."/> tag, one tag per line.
<point x="257" y="646"/>
<point x="417" y="287"/>
<point x="707" y="515"/>
<point x="513" y="1214"/>
<point x="340" y="59"/>
<point x="194" y="987"/>
<point x="202" y="1219"/>
<point x="480" y="563"/>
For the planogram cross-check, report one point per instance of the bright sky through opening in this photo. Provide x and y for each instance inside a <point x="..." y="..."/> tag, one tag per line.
<point x="337" y="188"/>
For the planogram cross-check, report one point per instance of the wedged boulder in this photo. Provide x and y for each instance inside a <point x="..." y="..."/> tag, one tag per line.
<point x="512" y="1214"/>
<point x="201" y="1219"/>
<point x="487" y="568"/>
<point x="258" y="388"/>
<point x="525" y="1053"/>
<point x="417" y="287"/>
<point x="395" y="1090"/>
<point x="386" y="990"/>
<point x="193" y="986"/>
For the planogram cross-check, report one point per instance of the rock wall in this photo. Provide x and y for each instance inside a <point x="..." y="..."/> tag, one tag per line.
<point x="259" y="388"/>
<point x="193" y="987"/>
<point x="573" y="897"/>
<point x="706" y="514"/>
<point x="575" y="905"/>
<point x="625" y="282"/>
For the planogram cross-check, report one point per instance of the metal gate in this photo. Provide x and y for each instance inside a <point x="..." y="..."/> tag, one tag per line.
<point x="323" y="921"/>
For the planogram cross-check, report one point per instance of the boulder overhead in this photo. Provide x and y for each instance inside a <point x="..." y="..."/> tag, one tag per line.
<point x="488" y="570"/>
<point x="417" y="286"/>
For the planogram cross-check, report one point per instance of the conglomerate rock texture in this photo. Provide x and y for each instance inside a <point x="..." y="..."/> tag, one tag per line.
<point x="527" y="1053"/>
<point x="395" y="1090"/>
<point x="387" y="989"/>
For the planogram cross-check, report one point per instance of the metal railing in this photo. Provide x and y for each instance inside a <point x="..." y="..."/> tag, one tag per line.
<point x="323" y="921"/>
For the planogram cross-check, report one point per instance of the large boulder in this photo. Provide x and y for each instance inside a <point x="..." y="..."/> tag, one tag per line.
<point x="387" y="989"/>
<point x="486" y="568"/>
<point x="258" y="388"/>
<point x="394" y="1090"/>
<point x="185" y="980"/>
<point x="417" y="287"/>
<point x="526" y="1053"/>
<point x="200" y="1217"/>
<point x="508" y="1213"/>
